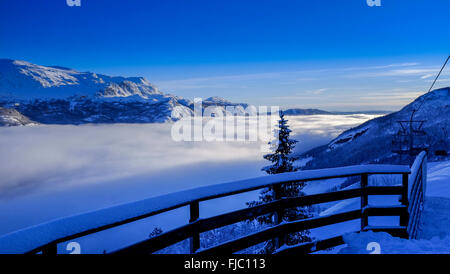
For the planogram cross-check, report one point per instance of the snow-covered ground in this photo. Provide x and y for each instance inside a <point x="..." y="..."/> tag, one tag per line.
<point x="434" y="231"/>
<point x="48" y="172"/>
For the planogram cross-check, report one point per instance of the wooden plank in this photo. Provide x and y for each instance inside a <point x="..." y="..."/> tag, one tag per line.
<point x="364" y="200"/>
<point x="211" y="223"/>
<point x="194" y="242"/>
<point x="341" y="195"/>
<point x="418" y="216"/>
<point x="159" y="242"/>
<point x="284" y="228"/>
<point x="203" y="225"/>
<point x="384" y="190"/>
<point x="278" y="215"/>
<point x="98" y="220"/>
<point x="385" y="211"/>
<point x="311" y="247"/>
<point x="413" y="220"/>
<point x="171" y="237"/>
<point x="416" y="203"/>
<point x="413" y="226"/>
<point x="401" y="170"/>
<point x="404" y="217"/>
<point x="415" y="189"/>
<point x="252" y="212"/>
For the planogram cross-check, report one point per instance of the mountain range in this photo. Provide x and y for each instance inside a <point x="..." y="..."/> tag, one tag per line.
<point x="58" y="95"/>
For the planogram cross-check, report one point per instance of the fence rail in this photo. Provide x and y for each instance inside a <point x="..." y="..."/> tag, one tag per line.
<point x="418" y="178"/>
<point x="45" y="237"/>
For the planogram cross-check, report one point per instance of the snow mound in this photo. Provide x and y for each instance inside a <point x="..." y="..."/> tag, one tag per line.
<point x="357" y="243"/>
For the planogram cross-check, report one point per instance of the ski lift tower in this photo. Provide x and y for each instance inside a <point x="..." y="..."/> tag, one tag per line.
<point x="410" y="139"/>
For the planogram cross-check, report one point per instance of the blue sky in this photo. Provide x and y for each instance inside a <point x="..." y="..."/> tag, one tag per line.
<point x="330" y="54"/>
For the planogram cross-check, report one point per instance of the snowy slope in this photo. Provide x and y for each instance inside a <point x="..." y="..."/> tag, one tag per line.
<point x="11" y="117"/>
<point x="371" y="142"/>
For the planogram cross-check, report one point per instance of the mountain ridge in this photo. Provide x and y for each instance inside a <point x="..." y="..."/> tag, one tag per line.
<point x="60" y="95"/>
<point x="24" y="80"/>
<point x="371" y="142"/>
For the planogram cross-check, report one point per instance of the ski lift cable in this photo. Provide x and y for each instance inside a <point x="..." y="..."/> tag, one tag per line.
<point x="431" y="87"/>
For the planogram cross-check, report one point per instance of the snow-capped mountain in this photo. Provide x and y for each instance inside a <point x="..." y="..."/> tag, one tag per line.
<point x="371" y="142"/>
<point x="218" y="101"/>
<point x="58" y="95"/>
<point x="24" y="80"/>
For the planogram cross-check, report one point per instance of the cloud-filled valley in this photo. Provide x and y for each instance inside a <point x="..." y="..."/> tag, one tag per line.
<point x="82" y="168"/>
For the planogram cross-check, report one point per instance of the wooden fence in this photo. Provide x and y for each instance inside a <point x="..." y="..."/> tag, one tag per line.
<point x="45" y="237"/>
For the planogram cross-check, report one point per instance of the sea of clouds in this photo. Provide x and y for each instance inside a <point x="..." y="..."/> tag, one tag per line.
<point x="51" y="171"/>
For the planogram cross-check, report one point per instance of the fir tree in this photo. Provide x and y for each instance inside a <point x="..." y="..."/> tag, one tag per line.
<point x="283" y="146"/>
<point x="283" y="162"/>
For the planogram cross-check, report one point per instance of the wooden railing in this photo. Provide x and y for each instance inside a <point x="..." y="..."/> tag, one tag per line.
<point x="418" y="179"/>
<point x="45" y="237"/>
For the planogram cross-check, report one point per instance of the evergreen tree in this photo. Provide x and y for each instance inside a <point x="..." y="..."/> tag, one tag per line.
<point x="283" y="162"/>
<point x="283" y="146"/>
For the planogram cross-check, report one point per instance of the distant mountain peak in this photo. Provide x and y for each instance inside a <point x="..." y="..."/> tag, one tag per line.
<point x="308" y="111"/>
<point x="216" y="99"/>
<point x="24" y="80"/>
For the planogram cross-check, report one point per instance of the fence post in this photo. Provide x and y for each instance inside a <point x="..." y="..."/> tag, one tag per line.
<point x="421" y="197"/>
<point x="278" y="215"/>
<point x="424" y="176"/>
<point x="404" y="218"/>
<point x="364" y="200"/>
<point x="194" y="215"/>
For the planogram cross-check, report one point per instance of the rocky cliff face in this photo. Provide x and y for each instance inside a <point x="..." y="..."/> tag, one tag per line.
<point x="11" y="117"/>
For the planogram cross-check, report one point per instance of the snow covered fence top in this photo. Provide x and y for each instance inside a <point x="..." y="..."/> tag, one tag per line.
<point x="60" y="230"/>
<point x="419" y="163"/>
